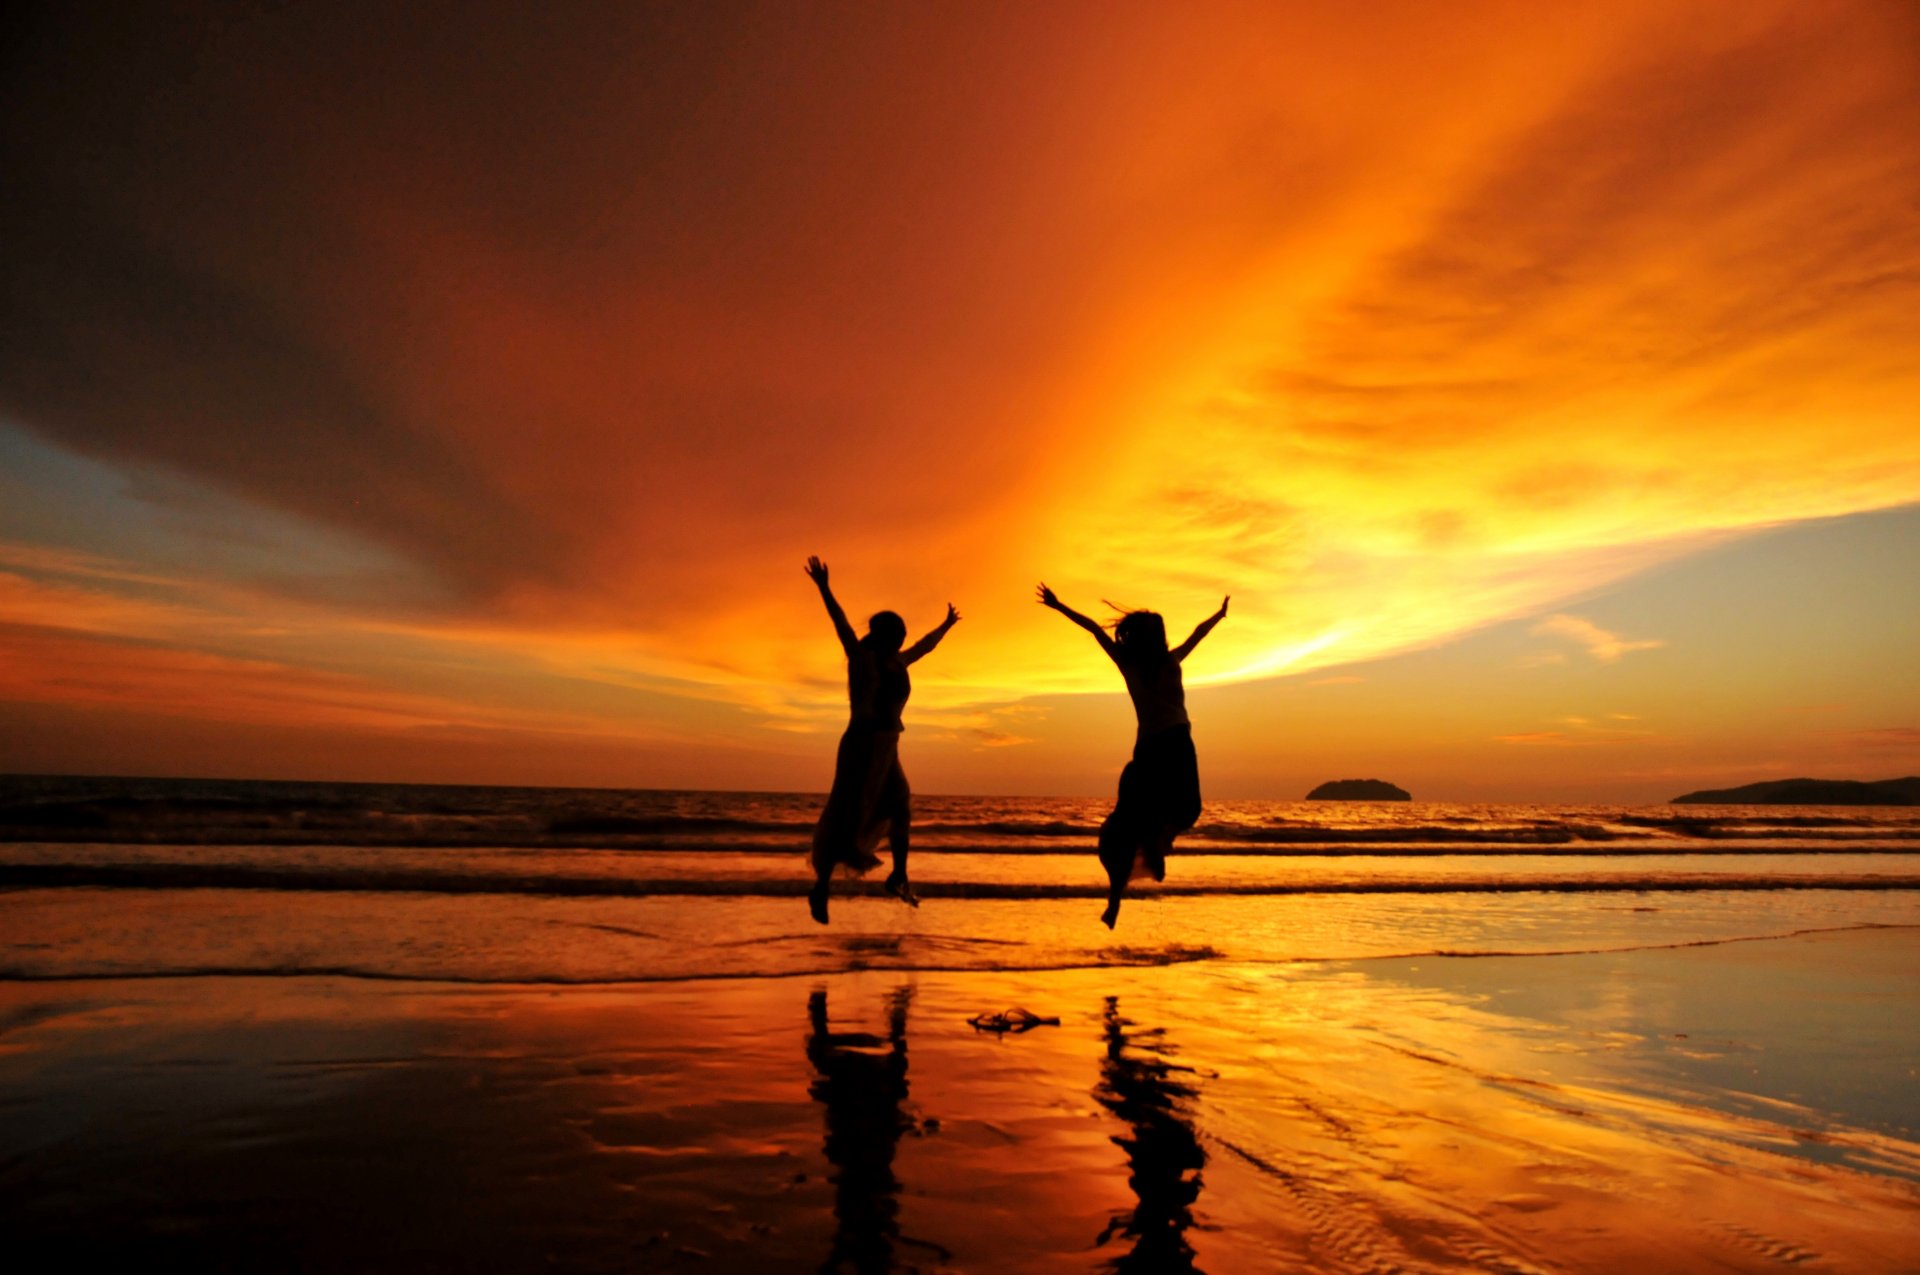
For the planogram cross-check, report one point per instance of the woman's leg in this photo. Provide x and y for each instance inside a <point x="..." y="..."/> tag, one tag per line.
<point x="1175" y="797"/>
<point x="1156" y="853"/>
<point x="1116" y="856"/>
<point x="1120" y="840"/>
<point x="1116" y="886"/>
<point x="899" y="804"/>
<point x="836" y="827"/>
<point x="897" y="884"/>
<point x="817" y="897"/>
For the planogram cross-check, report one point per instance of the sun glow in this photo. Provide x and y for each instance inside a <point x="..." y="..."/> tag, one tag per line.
<point x="1394" y="326"/>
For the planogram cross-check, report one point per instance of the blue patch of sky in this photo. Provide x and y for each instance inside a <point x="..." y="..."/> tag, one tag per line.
<point x="168" y="524"/>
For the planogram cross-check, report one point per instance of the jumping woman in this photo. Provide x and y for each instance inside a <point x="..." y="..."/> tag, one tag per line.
<point x="1160" y="787"/>
<point x="870" y="798"/>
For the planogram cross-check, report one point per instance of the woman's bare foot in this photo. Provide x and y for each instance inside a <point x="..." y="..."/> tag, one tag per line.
<point x="897" y="886"/>
<point x="1157" y="858"/>
<point x="817" y="902"/>
<point x="1112" y="913"/>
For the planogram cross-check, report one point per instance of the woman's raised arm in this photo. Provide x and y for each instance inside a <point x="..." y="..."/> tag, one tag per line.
<point x="1201" y="630"/>
<point x="1047" y="598"/>
<point x="817" y="572"/>
<point x="932" y="639"/>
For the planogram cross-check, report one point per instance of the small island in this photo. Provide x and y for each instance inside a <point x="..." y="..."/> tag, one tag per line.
<point x="1811" y="792"/>
<point x="1359" y="790"/>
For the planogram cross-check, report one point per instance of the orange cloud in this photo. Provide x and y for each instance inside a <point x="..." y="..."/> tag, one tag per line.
<point x="1394" y="322"/>
<point x="43" y="668"/>
<point x="1889" y="739"/>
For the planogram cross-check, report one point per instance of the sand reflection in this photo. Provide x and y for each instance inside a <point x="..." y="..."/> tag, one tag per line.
<point x="861" y="1081"/>
<point x="1138" y="1084"/>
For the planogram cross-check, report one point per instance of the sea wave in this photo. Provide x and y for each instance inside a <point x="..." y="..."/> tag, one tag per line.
<point x="169" y="812"/>
<point x="1542" y="833"/>
<point x="658" y="825"/>
<point x="737" y="835"/>
<point x="228" y="876"/>
<point x="1011" y="828"/>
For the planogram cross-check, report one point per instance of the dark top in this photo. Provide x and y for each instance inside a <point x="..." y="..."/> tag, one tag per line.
<point x="1159" y="696"/>
<point x="877" y="689"/>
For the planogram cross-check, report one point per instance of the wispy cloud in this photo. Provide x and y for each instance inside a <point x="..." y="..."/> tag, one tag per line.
<point x="1887" y="739"/>
<point x="1582" y="732"/>
<point x="1600" y="643"/>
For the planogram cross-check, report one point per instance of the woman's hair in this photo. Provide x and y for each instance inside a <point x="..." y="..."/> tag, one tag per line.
<point x="886" y="632"/>
<point x="1141" y="635"/>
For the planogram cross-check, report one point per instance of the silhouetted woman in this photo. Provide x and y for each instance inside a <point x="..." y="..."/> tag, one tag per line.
<point x="870" y="797"/>
<point x="1160" y="787"/>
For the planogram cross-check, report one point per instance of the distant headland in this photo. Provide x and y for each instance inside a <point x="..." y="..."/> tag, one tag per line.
<point x="1811" y="792"/>
<point x="1359" y="790"/>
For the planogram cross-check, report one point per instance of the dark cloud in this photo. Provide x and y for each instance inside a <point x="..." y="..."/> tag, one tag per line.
<point x="518" y="288"/>
<point x="124" y="352"/>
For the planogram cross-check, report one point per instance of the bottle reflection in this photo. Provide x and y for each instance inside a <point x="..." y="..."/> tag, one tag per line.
<point x="861" y="1080"/>
<point x="1137" y="1085"/>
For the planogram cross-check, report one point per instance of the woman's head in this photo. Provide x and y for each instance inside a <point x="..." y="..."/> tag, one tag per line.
<point x="1141" y="635"/>
<point x="886" y="633"/>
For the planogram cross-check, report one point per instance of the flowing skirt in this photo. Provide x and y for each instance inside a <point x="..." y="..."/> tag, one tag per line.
<point x="1159" y="798"/>
<point x="869" y="796"/>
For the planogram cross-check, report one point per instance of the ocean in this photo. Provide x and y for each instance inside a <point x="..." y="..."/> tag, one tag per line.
<point x="148" y="877"/>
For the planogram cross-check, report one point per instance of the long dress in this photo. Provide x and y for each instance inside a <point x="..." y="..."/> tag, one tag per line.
<point x="1160" y="788"/>
<point x="870" y="795"/>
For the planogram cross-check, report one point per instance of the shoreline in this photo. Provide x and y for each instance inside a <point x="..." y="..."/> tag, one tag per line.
<point x="1157" y="959"/>
<point x="169" y="876"/>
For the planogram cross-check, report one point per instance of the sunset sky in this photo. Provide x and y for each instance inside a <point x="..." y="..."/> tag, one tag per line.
<point x="455" y="395"/>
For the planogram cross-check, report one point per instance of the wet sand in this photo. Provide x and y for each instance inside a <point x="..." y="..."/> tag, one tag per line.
<point x="1743" y="1106"/>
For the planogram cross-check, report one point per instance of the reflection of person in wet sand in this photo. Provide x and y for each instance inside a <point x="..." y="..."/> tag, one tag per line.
<point x="1160" y="787"/>
<point x="870" y="798"/>
<point x="1163" y="1153"/>
<point x="864" y="1092"/>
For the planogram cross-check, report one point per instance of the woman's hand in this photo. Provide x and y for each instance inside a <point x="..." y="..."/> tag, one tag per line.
<point x="1223" y="603"/>
<point x="1048" y="598"/>
<point x="817" y="571"/>
<point x="953" y="617"/>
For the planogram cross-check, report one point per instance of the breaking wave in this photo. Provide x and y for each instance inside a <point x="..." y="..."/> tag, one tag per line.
<point x="237" y="876"/>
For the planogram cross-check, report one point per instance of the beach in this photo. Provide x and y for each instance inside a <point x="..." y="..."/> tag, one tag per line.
<point x="1425" y="1039"/>
<point x="1738" y="1106"/>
